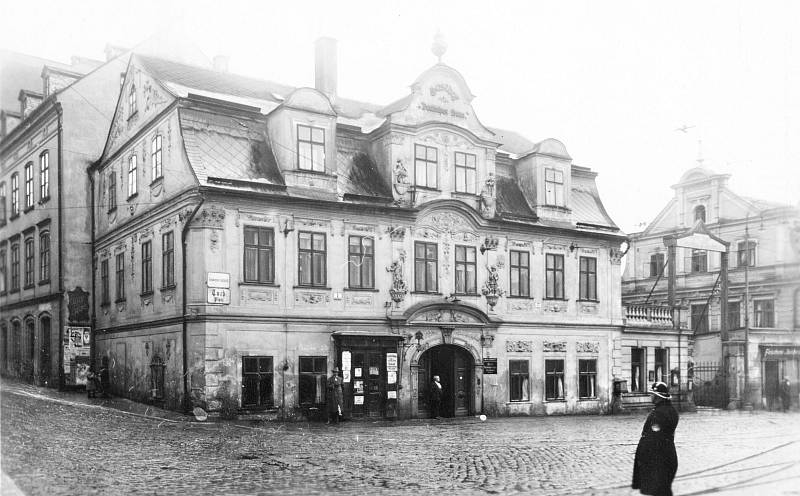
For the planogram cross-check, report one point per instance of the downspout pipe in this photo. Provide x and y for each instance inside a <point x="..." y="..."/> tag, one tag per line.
<point x="60" y="230"/>
<point x="92" y="198"/>
<point x="184" y="288"/>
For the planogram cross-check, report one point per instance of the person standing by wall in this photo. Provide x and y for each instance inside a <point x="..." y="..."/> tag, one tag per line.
<point x="656" y="461"/>
<point x="786" y="394"/>
<point x="436" y="397"/>
<point x="335" y="398"/>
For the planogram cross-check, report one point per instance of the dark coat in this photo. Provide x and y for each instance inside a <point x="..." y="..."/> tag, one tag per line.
<point x="335" y="398"/>
<point x="436" y="392"/>
<point x="656" y="461"/>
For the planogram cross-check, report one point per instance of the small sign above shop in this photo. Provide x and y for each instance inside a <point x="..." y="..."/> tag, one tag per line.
<point x="490" y="365"/>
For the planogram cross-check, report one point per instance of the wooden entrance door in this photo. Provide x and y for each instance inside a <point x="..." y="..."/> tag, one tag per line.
<point x="454" y="367"/>
<point x="369" y="380"/>
<point x="771" y="383"/>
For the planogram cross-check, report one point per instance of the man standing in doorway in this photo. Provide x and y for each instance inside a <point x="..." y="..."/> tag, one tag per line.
<point x="656" y="461"/>
<point x="436" y="397"/>
<point x="335" y="398"/>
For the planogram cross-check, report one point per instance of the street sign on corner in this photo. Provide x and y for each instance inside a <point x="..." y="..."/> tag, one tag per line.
<point x="218" y="280"/>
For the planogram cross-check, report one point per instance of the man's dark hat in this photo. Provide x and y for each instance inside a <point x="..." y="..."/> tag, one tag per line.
<point x="661" y="390"/>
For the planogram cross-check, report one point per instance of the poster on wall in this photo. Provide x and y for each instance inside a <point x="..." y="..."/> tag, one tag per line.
<point x="77" y="348"/>
<point x="358" y="400"/>
<point x="391" y="377"/>
<point x="345" y="376"/>
<point x="346" y="361"/>
<point x="391" y="362"/>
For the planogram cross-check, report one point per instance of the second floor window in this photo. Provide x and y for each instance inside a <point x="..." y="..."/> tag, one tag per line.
<point x="554" y="187"/>
<point x="312" y="257"/>
<point x="259" y="255"/>
<point x="656" y="264"/>
<point x="29" y="262"/>
<point x="2" y="204"/>
<point x="520" y="273"/>
<point x="105" y="297"/>
<point x="554" y="276"/>
<point x="44" y="176"/>
<point x="699" y="317"/>
<point x="167" y="260"/>
<point x="734" y="315"/>
<point x="763" y="313"/>
<point x="465" y="173"/>
<point x="361" y="262"/>
<point x="699" y="261"/>
<point x="426" y="267"/>
<point x="15" y="267"/>
<point x="44" y="256"/>
<point x="466" y="278"/>
<point x="29" y="185"/>
<point x="112" y="191"/>
<point x="310" y="148"/>
<point x="120" y="276"/>
<point x="14" y="194"/>
<point x="132" y="175"/>
<point x="746" y="254"/>
<point x="147" y="267"/>
<point x="156" y="157"/>
<point x="3" y="278"/>
<point x="426" y="163"/>
<point x="588" y="278"/>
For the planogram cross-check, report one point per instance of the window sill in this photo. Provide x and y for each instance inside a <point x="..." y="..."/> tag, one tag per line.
<point x="167" y="287"/>
<point x="466" y="294"/>
<point x="44" y="200"/>
<point x="426" y="293"/>
<point x="555" y="400"/>
<point x="363" y="290"/>
<point x="146" y="294"/>
<point x="426" y="188"/>
<point x="105" y="304"/>
<point x="111" y="210"/>
<point x="588" y="398"/>
<point x="315" y="172"/>
<point x="14" y="216"/>
<point x="27" y="209"/>
<point x="519" y="297"/>
<point x="557" y="207"/>
<point x="462" y="194"/>
<point x="519" y="402"/>
<point x="320" y="288"/>
<point x="157" y="181"/>
<point x="133" y="196"/>
<point x="556" y="299"/>
<point x="29" y="286"/>
<point x="589" y="301"/>
<point x="44" y="282"/>
<point x="120" y="300"/>
<point x="267" y="284"/>
<point x="134" y="114"/>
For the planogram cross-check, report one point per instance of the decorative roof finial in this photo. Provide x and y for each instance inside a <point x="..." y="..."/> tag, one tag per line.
<point x="439" y="46"/>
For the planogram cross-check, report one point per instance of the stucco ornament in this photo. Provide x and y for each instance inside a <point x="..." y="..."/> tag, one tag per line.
<point x="400" y="178"/>
<point x="488" y="201"/>
<point x="399" y="289"/>
<point x="491" y="288"/>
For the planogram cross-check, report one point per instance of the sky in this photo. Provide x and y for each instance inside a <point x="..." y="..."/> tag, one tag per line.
<point x="637" y="91"/>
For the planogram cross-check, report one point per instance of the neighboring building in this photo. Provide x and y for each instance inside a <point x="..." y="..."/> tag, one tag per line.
<point x="45" y="228"/>
<point x="250" y="236"/>
<point x="758" y="235"/>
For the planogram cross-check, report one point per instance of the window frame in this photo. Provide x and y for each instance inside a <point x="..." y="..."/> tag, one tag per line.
<point x="3" y="199"/>
<point x="360" y="263"/>
<point x="311" y="258"/>
<point x="313" y="145"/>
<point x="14" y="266"/>
<point x="44" y="176"/>
<point x="730" y="315"/>
<point x="319" y="372"/>
<point x="156" y="158"/>
<point x="266" y="249"/>
<point x="465" y="264"/>
<point x="133" y="170"/>
<point x="119" y="279"/>
<point x="552" y="378"/>
<point x="427" y="163"/>
<point x="29" y="269"/>
<point x="425" y="262"/>
<point x="639" y="381"/>
<point x="522" y="384"/>
<point x="105" y="295"/>
<point x="587" y="279"/>
<point x="750" y="253"/>
<point x="167" y="260"/>
<point x="657" y="264"/>
<point x="147" y="267"/>
<point x="587" y="379"/>
<point x="699" y="213"/>
<point x="112" y="191"/>
<point x="767" y="313"/>
<point x="554" y="277"/>
<point x="44" y="257"/>
<point x="518" y="268"/>
<point x="3" y="273"/>
<point x="14" y="194"/>
<point x="132" y="108"/>
<point x="699" y="261"/>
<point x="699" y="322"/>
<point x="554" y="187"/>
<point x="263" y="372"/>
<point x="470" y="185"/>
<point x="29" y="187"/>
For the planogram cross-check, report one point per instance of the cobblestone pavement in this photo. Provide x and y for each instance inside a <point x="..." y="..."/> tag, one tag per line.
<point x="62" y="443"/>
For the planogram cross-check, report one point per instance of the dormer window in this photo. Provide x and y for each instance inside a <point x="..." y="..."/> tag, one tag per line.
<point x="465" y="173"/>
<point x="554" y="187"/>
<point x="310" y="148"/>
<point x="426" y="163"/>
<point x="132" y="101"/>
<point x="700" y="213"/>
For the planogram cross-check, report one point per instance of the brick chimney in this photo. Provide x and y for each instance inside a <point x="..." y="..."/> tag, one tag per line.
<point x="325" y="72"/>
<point x="221" y="63"/>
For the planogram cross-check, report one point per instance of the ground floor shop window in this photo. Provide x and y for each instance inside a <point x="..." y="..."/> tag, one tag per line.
<point x="637" y="370"/>
<point x="312" y="380"/>
<point x="587" y="378"/>
<point x="257" y="381"/>
<point x="662" y="365"/>
<point x="518" y="376"/>
<point x="554" y="379"/>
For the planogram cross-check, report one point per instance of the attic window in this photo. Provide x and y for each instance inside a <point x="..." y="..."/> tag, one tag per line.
<point x="554" y="187"/>
<point x="310" y="148"/>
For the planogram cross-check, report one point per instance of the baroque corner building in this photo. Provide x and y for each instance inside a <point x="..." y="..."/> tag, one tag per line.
<point x="252" y="236"/>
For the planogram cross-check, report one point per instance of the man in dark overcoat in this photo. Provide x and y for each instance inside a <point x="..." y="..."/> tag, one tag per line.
<point x="334" y="398"/>
<point x="656" y="461"/>
<point x="436" y="397"/>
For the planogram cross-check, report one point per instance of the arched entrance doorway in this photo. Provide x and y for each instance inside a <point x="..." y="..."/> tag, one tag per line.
<point x="454" y="366"/>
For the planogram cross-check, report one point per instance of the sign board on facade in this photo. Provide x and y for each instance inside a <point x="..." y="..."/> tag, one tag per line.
<point x="76" y="344"/>
<point x="219" y="296"/>
<point x="490" y="365"/>
<point x="778" y="352"/>
<point x="218" y="280"/>
<point x="391" y="362"/>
